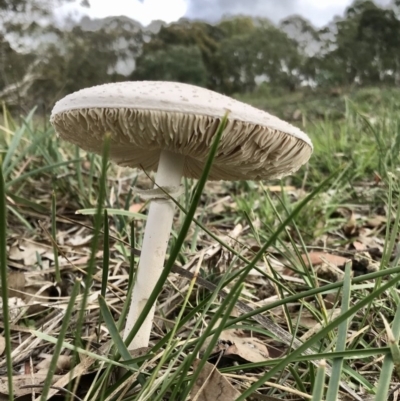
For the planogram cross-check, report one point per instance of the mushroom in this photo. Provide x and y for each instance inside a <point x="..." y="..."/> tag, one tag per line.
<point x="169" y="127"/>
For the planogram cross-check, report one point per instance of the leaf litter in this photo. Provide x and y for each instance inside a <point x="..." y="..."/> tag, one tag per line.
<point x="37" y="301"/>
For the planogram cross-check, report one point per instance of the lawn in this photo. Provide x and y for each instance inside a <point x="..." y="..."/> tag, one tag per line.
<point x="273" y="286"/>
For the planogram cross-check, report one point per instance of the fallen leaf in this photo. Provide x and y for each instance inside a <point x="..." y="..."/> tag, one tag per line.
<point x="333" y="314"/>
<point x="16" y="284"/>
<point x="375" y="221"/>
<point x="2" y="345"/>
<point x="250" y="349"/>
<point x="234" y="345"/>
<point x="14" y="306"/>
<point x="377" y="178"/>
<point x="80" y="240"/>
<point x="22" y="292"/>
<point x="327" y="266"/>
<point x="27" y="252"/>
<point x="136" y="207"/>
<point x="63" y="364"/>
<point x="358" y="246"/>
<point x="308" y="321"/>
<point x="350" y="228"/>
<point x="211" y="385"/>
<point x="136" y="353"/>
<point x="20" y="381"/>
<point x="318" y="258"/>
<point x="278" y="188"/>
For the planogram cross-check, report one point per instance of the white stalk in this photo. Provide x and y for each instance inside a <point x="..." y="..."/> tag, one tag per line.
<point x="154" y="248"/>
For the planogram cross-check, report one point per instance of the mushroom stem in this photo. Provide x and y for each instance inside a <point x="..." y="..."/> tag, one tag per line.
<point x="154" y="247"/>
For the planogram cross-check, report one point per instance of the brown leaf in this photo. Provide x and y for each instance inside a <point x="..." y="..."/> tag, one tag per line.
<point x="20" y="381"/>
<point x="375" y="221"/>
<point x="278" y="188"/>
<point x="27" y="252"/>
<point x="235" y="346"/>
<point x="211" y="385"/>
<point x="136" y="353"/>
<point x="2" y="345"/>
<point x="350" y="228"/>
<point x="63" y="364"/>
<point x="15" y="304"/>
<point x="377" y="178"/>
<point x="358" y="246"/>
<point x="136" y="207"/>
<point x="308" y="321"/>
<point x="250" y="349"/>
<point x="16" y="284"/>
<point x="80" y="240"/>
<point x="318" y="258"/>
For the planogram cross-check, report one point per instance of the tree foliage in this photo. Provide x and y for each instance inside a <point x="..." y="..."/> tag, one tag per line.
<point x="42" y="62"/>
<point x="174" y="63"/>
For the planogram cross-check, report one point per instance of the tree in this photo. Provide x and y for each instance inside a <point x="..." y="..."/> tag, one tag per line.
<point x="204" y="36"/>
<point x="81" y="58"/>
<point x="20" y="41"/>
<point x="364" y="46"/>
<point x="174" y="63"/>
<point x="264" y="53"/>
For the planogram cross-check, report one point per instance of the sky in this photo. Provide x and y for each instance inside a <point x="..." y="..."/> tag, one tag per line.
<point x="319" y="12"/>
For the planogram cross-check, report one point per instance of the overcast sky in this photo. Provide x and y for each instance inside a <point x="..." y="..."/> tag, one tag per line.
<point x="319" y="12"/>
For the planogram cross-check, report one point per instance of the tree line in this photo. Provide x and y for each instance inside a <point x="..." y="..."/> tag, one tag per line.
<point x="41" y="62"/>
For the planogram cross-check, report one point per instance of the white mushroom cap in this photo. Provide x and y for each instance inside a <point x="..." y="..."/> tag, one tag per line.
<point x="146" y="117"/>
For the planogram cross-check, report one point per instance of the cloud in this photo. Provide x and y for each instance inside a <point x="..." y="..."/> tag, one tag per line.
<point x="213" y="10"/>
<point x="318" y="12"/>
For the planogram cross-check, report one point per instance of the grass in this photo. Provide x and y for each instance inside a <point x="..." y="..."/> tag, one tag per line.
<point x="247" y="276"/>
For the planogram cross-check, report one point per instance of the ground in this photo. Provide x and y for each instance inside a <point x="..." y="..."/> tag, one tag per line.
<point x="258" y="295"/>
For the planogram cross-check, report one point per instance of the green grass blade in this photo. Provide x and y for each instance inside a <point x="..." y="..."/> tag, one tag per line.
<point x="226" y="307"/>
<point x="95" y="240"/>
<point x="4" y="283"/>
<point x="12" y="148"/>
<point x="106" y="255"/>
<point x="112" y="328"/>
<point x="38" y="171"/>
<point x="318" y="391"/>
<point x="54" y="235"/>
<point x="116" y="212"/>
<point x="318" y="336"/>
<point x="337" y="364"/>
<point x="79" y="350"/>
<point x="60" y="340"/>
<point x="389" y="360"/>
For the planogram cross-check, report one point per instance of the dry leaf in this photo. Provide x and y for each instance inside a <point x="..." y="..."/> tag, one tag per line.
<point x="80" y="240"/>
<point x="16" y="284"/>
<point x="14" y="305"/>
<point x="308" y="321"/>
<point x="333" y="314"/>
<point x="22" y="291"/>
<point x="350" y="228"/>
<point x="327" y="266"/>
<point x="21" y="381"/>
<point x="136" y="353"/>
<point x="2" y="345"/>
<point x="136" y="207"/>
<point x="278" y="188"/>
<point x="318" y="258"/>
<point x="211" y="385"/>
<point x="375" y="221"/>
<point x="63" y="364"/>
<point x="234" y="345"/>
<point x="27" y="252"/>
<point x="358" y="246"/>
<point x="250" y="349"/>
